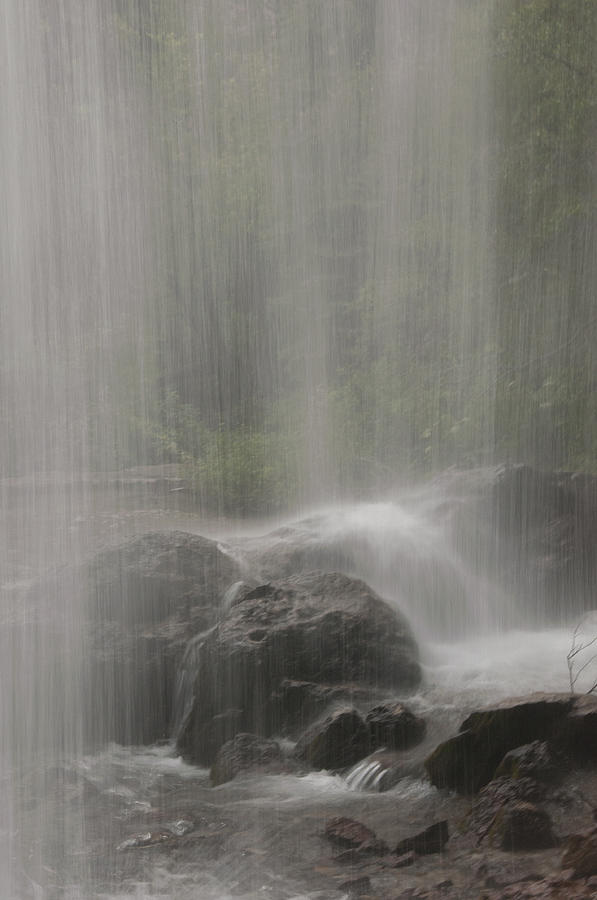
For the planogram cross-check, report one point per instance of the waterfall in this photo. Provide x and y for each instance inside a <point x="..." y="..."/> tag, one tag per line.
<point x="261" y="256"/>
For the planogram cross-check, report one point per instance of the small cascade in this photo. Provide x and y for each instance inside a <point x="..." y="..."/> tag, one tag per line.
<point x="408" y="551"/>
<point x="185" y="681"/>
<point x="187" y="671"/>
<point x="366" y="775"/>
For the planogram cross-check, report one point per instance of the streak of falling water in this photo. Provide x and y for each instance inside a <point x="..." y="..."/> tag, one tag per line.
<point x="237" y="209"/>
<point x="73" y="277"/>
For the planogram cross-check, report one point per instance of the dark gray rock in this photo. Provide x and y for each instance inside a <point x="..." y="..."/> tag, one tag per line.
<point x="147" y="598"/>
<point x="467" y="761"/>
<point x="296" y="704"/>
<point x="245" y="753"/>
<point x="432" y="840"/>
<point x="535" y="760"/>
<point x="394" y="726"/>
<point x="335" y="742"/>
<point x="522" y="826"/>
<point x="325" y="629"/>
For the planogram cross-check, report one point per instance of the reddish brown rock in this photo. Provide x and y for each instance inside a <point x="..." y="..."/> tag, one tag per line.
<point x="355" y="839"/>
<point x="580" y="855"/>
<point x="347" y="832"/>
<point x="522" y="826"/>
<point x="495" y="797"/>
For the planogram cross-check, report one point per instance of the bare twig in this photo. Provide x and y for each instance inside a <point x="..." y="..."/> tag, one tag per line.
<point x="580" y="647"/>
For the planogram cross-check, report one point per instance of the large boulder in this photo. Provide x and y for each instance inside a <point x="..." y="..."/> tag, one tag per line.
<point x="468" y="761"/>
<point x="325" y="629"/>
<point x="146" y="599"/>
<point x="535" y="760"/>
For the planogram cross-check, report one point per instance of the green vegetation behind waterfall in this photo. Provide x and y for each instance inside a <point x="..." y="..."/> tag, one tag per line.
<point x="375" y="240"/>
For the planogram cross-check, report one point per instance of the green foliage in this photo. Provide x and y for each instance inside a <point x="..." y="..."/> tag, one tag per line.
<point x="231" y="470"/>
<point x="546" y="128"/>
<point x="326" y="317"/>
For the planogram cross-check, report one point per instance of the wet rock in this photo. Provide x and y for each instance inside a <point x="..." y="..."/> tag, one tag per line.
<point x="431" y="840"/>
<point x="522" y="826"/>
<point x="221" y="728"/>
<point x="580" y="855"/>
<point x="345" y="832"/>
<point x="325" y="629"/>
<point x="468" y="760"/>
<point x="535" y="760"/>
<point x="501" y="793"/>
<point x="337" y="741"/>
<point x="147" y="598"/>
<point x="577" y="735"/>
<point x="354" y="840"/>
<point x="297" y="703"/>
<point x="245" y="753"/>
<point x="394" y="726"/>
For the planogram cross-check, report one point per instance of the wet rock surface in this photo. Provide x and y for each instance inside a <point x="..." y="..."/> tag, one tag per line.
<point x="296" y="704"/>
<point x="580" y="855"/>
<point x="535" y="760"/>
<point x="394" y="726"/>
<point x="326" y="629"/>
<point x="141" y="824"/>
<point x="431" y="840"/>
<point x="522" y="825"/>
<point x="500" y="794"/>
<point x="350" y="835"/>
<point x="337" y="741"/>
<point x="147" y="598"/>
<point x="467" y="761"/>
<point x="246" y="753"/>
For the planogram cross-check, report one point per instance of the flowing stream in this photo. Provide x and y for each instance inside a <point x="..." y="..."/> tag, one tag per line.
<point x="87" y="825"/>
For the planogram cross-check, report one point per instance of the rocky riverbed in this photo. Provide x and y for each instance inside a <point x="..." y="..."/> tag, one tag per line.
<point x="345" y="676"/>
